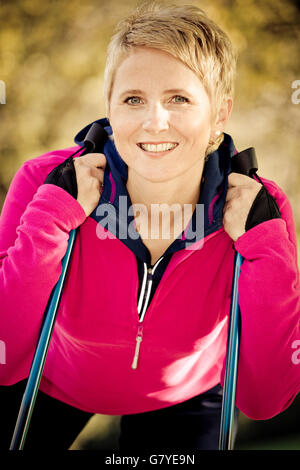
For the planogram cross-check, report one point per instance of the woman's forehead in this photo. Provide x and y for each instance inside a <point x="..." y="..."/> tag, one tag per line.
<point x="145" y="67"/>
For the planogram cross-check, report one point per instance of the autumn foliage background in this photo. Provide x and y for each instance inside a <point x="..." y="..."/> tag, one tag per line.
<point x="52" y="57"/>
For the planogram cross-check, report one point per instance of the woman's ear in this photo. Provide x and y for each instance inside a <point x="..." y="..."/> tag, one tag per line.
<point x="223" y="115"/>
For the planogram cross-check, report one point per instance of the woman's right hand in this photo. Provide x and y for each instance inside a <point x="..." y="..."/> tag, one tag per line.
<point x="89" y="175"/>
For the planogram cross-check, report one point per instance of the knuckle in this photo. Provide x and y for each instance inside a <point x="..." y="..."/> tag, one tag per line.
<point x="234" y="202"/>
<point x="227" y="216"/>
<point x="243" y="193"/>
<point x="91" y="171"/>
<point x="79" y="161"/>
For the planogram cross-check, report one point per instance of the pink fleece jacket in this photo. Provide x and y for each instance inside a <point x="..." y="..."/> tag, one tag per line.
<point x="185" y="329"/>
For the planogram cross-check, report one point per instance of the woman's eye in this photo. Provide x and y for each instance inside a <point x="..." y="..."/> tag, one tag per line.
<point x="132" y="100"/>
<point x="180" y="99"/>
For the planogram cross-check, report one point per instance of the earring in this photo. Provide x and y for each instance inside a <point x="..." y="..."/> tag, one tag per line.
<point x="213" y="142"/>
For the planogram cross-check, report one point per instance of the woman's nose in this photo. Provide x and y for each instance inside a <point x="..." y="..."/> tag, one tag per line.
<point x="156" y="119"/>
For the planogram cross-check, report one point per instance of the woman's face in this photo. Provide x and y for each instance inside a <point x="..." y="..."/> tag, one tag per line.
<point x="155" y="100"/>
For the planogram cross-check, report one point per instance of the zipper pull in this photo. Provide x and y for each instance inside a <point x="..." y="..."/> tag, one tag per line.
<point x="150" y="274"/>
<point x="139" y="339"/>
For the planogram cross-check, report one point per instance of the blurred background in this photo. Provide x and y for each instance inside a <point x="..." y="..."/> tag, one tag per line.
<point x="52" y="57"/>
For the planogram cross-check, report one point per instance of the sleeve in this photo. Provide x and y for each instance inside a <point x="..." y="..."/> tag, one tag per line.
<point x="34" y="229"/>
<point x="269" y="298"/>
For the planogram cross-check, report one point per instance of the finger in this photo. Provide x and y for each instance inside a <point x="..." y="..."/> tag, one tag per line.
<point x="94" y="159"/>
<point x="84" y="169"/>
<point x="237" y="179"/>
<point x="92" y="171"/>
<point x="97" y="173"/>
<point x="232" y="193"/>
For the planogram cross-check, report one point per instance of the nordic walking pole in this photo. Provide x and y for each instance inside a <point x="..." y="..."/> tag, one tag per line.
<point x="96" y="136"/>
<point x="228" y="403"/>
<point x="40" y="355"/>
<point x="244" y="162"/>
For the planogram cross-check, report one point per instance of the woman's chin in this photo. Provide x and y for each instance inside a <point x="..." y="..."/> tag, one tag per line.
<point x="156" y="177"/>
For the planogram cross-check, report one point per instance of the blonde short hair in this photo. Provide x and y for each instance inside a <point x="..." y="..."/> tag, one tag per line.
<point x="186" y="33"/>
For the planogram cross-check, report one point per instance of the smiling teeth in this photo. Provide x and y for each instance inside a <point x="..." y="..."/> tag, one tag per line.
<point x="158" y="147"/>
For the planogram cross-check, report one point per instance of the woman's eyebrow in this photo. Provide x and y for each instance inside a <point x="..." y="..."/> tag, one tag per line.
<point x="177" y="90"/>
<point x="131" y="92"/>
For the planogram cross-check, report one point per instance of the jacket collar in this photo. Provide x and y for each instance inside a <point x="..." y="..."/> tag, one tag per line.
<point x="113" y="211"/>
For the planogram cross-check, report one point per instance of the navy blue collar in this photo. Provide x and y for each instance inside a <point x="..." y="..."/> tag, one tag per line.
<point x="113" y="210"/>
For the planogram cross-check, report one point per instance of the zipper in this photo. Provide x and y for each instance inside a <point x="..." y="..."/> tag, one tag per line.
<point x="143" y="301"/>
<point x="139" y="339"/>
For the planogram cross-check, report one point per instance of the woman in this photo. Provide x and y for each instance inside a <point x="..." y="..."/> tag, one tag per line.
<point x="154" y="353"/>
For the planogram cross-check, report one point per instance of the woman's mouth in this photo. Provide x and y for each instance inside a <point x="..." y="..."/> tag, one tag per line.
<point x="159" y="148"/>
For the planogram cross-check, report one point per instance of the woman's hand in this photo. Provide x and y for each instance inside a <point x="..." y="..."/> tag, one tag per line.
<point x="89" y="175"/>
<point x="242" y="190"/>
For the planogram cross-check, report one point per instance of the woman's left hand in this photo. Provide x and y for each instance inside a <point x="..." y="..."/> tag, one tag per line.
<point x="242" y="190"/>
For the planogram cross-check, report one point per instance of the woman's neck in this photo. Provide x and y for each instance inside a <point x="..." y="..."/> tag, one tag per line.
<point x="148" y="193"/>
<point x="177" y="197"/>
